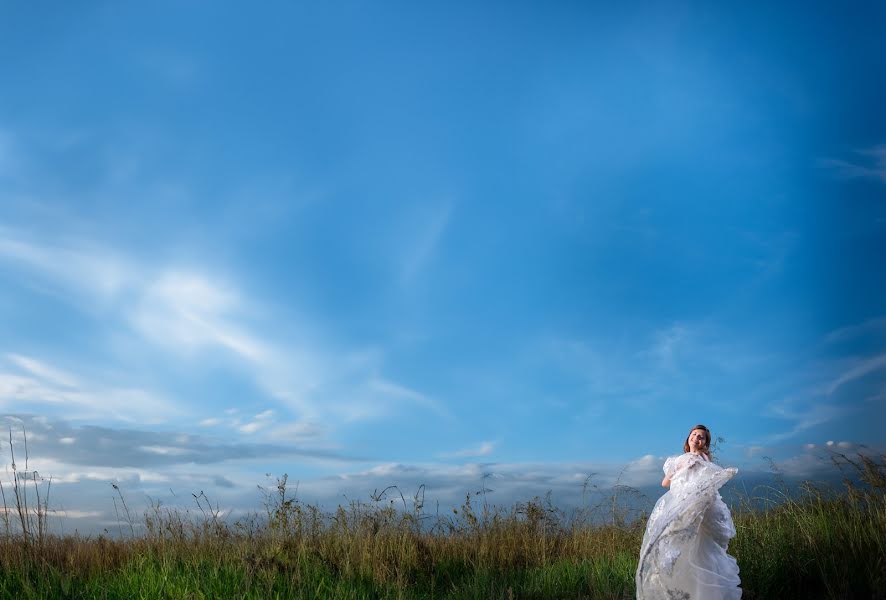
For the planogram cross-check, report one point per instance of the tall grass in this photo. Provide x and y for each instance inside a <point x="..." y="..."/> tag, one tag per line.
<point x="29" y="514"/>
<point x="821" y="543"/>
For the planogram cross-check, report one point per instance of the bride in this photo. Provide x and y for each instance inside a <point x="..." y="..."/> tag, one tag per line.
<point x="683" y="556"/>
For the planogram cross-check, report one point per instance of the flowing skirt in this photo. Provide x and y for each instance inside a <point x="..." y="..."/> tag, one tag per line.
<point x="683" y="556"/>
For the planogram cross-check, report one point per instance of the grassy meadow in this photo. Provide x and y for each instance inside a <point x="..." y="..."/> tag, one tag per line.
<point x="816" y="543"/>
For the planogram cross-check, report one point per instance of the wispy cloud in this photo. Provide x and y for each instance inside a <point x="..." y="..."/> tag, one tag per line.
<point x="604" y="372"/>
<point x="859" y="370"/>
<point x="667" y="344"/>
<point x="43" y="371"/>
<point x="871" y="327"/>
<point x="426" y="239"/>
<point x="82" y="268"/>
<point x="384" y="388"/>
<point x="817" y="400"/>
<point x="260" y="421"/>
<point x="28" y="382"/>
<point x="295" y="432"/>
<point x="870" y="164"/>
<point x="637" y="370"/>
<point x="483" y="449"/>
<point x="803" y="417"/>
<point x="272" y="429"/>
<point x="187" y="312"/>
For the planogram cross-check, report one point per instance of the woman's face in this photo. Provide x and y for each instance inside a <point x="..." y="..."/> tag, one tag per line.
<point x="697" y="439"/>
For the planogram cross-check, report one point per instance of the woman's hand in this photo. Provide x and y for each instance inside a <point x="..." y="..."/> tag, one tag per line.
<point x="665" y="482"/>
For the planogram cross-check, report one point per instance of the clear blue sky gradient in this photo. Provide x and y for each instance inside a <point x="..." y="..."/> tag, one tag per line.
<point x="338" y="236"/>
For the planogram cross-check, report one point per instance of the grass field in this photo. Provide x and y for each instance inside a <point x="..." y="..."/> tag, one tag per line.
<point x="817" y="543"/>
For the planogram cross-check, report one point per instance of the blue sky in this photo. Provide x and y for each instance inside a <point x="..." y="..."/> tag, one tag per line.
<point x="372" y="244"/>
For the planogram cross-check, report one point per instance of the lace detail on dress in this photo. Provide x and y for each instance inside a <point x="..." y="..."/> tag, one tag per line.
<point x="684" y="549"/>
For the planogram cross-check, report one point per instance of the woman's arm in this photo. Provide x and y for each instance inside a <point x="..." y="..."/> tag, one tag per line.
<point x="666" y="482"/>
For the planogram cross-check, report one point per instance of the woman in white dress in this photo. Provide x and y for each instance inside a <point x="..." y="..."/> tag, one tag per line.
<point x="683" y="556"/>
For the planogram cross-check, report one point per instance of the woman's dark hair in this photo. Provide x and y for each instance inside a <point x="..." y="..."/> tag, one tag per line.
<point x="707" y="440"/>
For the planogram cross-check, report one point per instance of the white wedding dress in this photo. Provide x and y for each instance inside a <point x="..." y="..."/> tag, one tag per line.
<point x="683" y="556"/>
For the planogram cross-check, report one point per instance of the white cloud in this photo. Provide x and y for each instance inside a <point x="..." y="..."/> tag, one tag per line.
<point x="251" y="427"/>
<point x="186" y="310"/>
<point x="808" y="465"/>
<point x="164" y="450"/>
<point x="211" y="422"/>
<point x="260" y="421"/>
<point x="483" y="449"/>
<point x="66" y="473"/>
<point x="78" y="514"/>
<point x="297" y="431"/>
